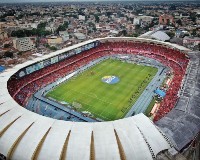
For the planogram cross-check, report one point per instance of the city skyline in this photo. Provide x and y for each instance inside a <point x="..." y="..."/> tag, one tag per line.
<point x="30" y="1"/>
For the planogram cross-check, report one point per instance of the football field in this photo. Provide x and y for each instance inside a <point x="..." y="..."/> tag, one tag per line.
<point x="107" y="90"/>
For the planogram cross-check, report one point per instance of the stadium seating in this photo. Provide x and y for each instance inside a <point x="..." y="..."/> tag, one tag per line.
<point x="21" y="89"/>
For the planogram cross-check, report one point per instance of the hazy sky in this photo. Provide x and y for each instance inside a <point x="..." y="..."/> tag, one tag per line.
<point x="16" y="1"/>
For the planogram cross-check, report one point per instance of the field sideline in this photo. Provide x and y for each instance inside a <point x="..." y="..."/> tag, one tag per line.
<point x="106" y="101"/>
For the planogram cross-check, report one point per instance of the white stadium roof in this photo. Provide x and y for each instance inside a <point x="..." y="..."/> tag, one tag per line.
<point x="158" y="35"/>
<point x="27" y="135"/>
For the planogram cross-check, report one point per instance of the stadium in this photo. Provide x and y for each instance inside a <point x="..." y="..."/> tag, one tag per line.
<point x="92" y="101"/>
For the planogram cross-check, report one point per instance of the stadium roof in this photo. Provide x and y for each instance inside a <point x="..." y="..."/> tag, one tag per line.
<point x="158" y="35"/>
<point x="182" y="124"/>
<point x="29" y="129"/>
<point x="26" y="135"/>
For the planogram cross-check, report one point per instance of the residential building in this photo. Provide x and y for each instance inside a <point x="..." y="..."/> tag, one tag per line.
<point x="24" y="44"/>
<point x="80" y="17"/>
<point x="166" y="19"/>
<point x="80" y="36"/>
<point x="64" y="35"/>
<point x="191" y="41"/>
<point x="137" y="21"/>
<point x="54" y="40"/>
<point x="142" y="20"/>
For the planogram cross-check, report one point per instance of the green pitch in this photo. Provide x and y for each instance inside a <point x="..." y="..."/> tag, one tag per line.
<point x="102" y="100"/>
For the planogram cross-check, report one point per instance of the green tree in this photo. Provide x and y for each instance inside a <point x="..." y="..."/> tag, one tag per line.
<point x="137" y="26"/>
<point x="20" y="16"/>
<point x="18" y="33"/>
<point x="135" y="35"/>
<point x="179" y="22"/>
<point x="41" y="30"/>
<point x="20" y="53"/>
<point x="193" y="17"/>
<point x="42" y="25"/>
<point x="108" y="14"/>
<point x="8" y="54"/>
<point x="62" y="27"/>
<point x="170" y="34"/>
<point x="53" y="48"/>
<point x="6" y="45"/>
<point x="194" y="32"/>
<point x="124" y="32"/>
<point x="96" y="18"/>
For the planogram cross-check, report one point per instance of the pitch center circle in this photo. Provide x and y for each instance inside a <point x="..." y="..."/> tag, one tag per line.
<point x="110" y="79"/>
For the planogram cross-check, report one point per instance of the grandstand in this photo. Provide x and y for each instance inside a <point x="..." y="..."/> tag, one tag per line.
<point x="177" y="118"/>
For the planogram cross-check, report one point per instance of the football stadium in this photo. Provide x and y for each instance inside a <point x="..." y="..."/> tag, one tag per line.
<point x="106" y="98"/>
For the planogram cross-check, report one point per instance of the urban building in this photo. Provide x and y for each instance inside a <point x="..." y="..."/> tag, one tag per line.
<point x="24" y="44"/>
<point x="80" y="36"/>
<point x="166" y="19"/>
<point x="54" y="40"/>
<point x="64" y="35"/>
<point x="191" y="42"/>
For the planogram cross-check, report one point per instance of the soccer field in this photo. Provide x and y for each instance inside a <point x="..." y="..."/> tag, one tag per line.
<point x="107" y="90"/>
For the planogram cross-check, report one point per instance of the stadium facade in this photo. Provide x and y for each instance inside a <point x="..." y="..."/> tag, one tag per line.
<point x="27" y="135"/>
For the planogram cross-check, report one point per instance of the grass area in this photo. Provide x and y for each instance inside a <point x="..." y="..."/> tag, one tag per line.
<point x="102" y="100"/>
<point x="149" y="108"/>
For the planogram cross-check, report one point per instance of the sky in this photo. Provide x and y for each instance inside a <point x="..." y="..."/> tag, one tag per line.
<point x="17" y="1"/>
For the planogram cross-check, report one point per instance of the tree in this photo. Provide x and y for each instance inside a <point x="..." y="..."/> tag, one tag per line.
<point x="18" y="33"/>
<point x="66" y="24"/>
<point x="179" y="22"/>
<point x="170" y="34"/>
<point x="108" y="14"/>
<point x="96" y="18"/>
<point x="194" y="32"/>
<point x="138" y="11"/>
<point x="6" y="45"/>
<point x="20" y="53"/>
<point x="135" y="35"/>
<point x="8" y="54"/>
<point x="172" y="7"/>
<point x="137" y="26"/>
<point x="20" y="16"/>
<point x="90" y="24"/>
<point x="124" y="32"/>
<point x="53" y="48"/>
<point x="193" y="17"/>
<point x="62" y="27"/>
<point x="94" y="29"/>
<point x="42" y="25"/>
